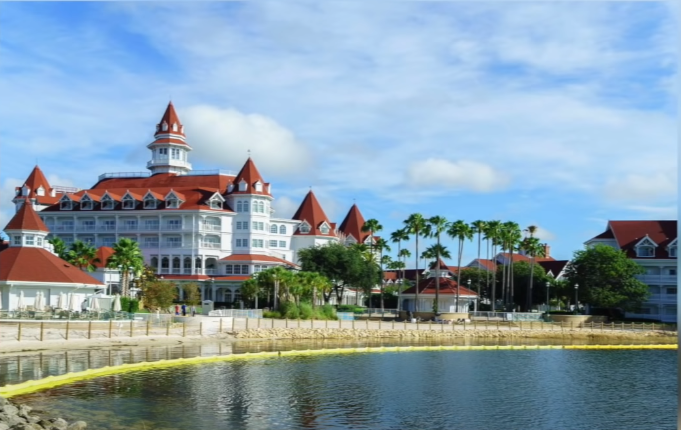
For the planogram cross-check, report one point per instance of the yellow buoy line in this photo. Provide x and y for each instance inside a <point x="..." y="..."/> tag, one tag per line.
<point x="68" y="378"/>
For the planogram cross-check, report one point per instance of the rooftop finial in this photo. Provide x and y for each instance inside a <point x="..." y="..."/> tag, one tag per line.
<point x="249" y="153"/>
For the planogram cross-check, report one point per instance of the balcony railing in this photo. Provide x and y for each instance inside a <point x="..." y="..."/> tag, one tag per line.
<point x="210" y="227"/>
<point x="210" y="245"/>
<point x="64" y="227"/>
<point x="172" y="227"/>
<point x="86" y="228"/>
<point x="107" y="227"/>
<point x="128" y="227"/>
<point x="150" y="227"/>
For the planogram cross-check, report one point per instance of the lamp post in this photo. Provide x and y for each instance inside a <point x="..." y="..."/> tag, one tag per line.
<point x="547" y="295"/>
<point x="576" y="298"/>
<point x="475" y="303"/>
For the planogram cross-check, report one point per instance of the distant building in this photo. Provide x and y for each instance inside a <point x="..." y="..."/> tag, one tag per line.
<point x="652" y="244"/>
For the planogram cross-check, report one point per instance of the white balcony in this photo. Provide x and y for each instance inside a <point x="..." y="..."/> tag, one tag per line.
<point x="210" y="245"/>
<point x="209" y="227"/>
<point x="168" y="162"/>
<point x="86" y="228"/>
<point x="107" y="227"/>
<point x="64" y="227"/>
<point x="173" y="227"/>
<point x="128" y="227"/>
<point x="150" y="227"/>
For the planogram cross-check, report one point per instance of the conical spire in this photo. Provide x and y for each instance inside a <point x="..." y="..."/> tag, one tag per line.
<point x="170" y="123"/>
<point x="26" y="218"/>
<point x="250" y="181"/>
<point x="34" y="181"/>
<point x="311" y="212"/>
<point x="352" y="225"/>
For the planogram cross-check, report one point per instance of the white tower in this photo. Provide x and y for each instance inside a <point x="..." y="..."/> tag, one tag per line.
<point x="169" y="150"/>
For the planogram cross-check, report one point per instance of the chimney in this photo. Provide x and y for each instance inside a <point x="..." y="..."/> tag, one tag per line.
<point x="547" y="250"/>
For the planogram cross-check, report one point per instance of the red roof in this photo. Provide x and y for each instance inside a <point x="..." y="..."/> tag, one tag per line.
<point x="311" y="212"/>
<point x="257" y="257"/>
<point x="629" y="233"/>
<point x="447" y="287"/>
<point x="443" y="266"/>
<point x="166" y="180"/>
<point x="26" y="219"/>
<point x="103" y="254"/>
<point x="490" y="265"/>
<point x="250" y="175"/>
<point x="31" y="264"/>
<point x="352" y="225"/>
<point x="170" y="117"/>
<point x="35" y="180"/>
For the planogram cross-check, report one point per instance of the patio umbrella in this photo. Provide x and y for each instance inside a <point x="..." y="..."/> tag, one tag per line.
<point x="20" y="300"/>
<point x="38" y="304"/>
<point x="117" y="303"/>
<point x="94" y="304"/>
<point x="72" y="302"/>
<point x="61" y="301"/>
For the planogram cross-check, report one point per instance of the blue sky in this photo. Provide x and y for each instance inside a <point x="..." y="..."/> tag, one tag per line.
<point x="556" y="114"/>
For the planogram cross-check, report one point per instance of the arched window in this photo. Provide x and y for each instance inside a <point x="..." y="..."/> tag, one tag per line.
<point x="164" y="126"/>
<point x="282" y="229"/>
<point x="245" y="206"/>
<point x="165" y="263"/>
<point x="255" y="207"/>
<point x="273" y="228"/>
<point x="154" y="262"/>
<point x="261" y="207"/>
<point x="197" y="263"/>
<point x="174" y="126"/>
<point x="239" y="206"/>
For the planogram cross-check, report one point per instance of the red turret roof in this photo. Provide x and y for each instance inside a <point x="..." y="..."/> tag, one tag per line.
<point x="250" y="175"/>
<point x="311" y="212"/>
<point x="170" y="117"/>
<point x="32" y="264"/>
<point x="352" y="225"/>
<point x="26" y="219"/>
<point x="35" y="180"/>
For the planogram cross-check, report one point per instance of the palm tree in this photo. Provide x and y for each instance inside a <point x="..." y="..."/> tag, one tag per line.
<point x="479" y="228"/>
<point x="415" y="225"/>
<point x="403" y="254"/>
<point x="492" y="232"/>
<point x="59" y="247"/>
<point x="371" y="226"/>
<point x="83" y="256"/>
<point x="397" y="237"/>
<point x="382" y="245"/>
<point x="534" y="248"/>
<point x="461" y="231"/>
<point x="436" y="226"/>
<point x="512" y="236"/>
<point x="127" y="257"/>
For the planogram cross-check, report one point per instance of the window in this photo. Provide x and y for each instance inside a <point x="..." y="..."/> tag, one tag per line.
<point x="151" y="224"/>
<point x="172" y="203"/>
<point x="239" y="206"/>
<point x="40" y="191"/>
<point x="255" y="225"/>
<point x="672" y="272"/>
<point x="151" y="242"/>
<point x="174" y="242"/>
<point x="149" y="203"/>
<point x="273" y="243"/>
<point x="245" y="206"/>
<point x="131" y="224"/>
<point x="228" y="269"/>
<point x="175" y="126"/>
<point x="175" y="154"/>
<point x="237" y="269"/>
<point x="261" y="207"/>
<point x="128" y="202"/>
<point x="672" y="251"/>
<point x="174" y="224"/>
<point x="215" y="204"/>
<point x="238" y="243"/>
<point x="39" y="241"/>
<point x="257" y="268"/>
<point x="282" y="244"/>
<point x="17" y="240"/>
<point x="164" y="127"/>
<point x="304" y="228"/>
<point x="86" y="204"/>
<point x="108" y="241"/>
<point x="255" y="206"/>
<point x="257" y="243"/>
<point x="66" y="205"/>
<point x="282" y="229"/>
<point x="645" y="251"/>
<point x="273" y="229"/>
<point x="242" y="187"/>
<point x="88" y="225"/>
<point x="258" y="186"/>
<point x="244" y="269"/>
<point x="671" y="291"/>
<point x="163" y="151"/>
<point x="109" y="225"/>
<point x="324" y="229"/>
<point x="261" y="226"/>
<point x="107" y="203"/>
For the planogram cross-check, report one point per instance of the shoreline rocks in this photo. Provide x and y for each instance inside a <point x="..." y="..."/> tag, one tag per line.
<point x="308" y="333"/>
<point x="19" y="417"/>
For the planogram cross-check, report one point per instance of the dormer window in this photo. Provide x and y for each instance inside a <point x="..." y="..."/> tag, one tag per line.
<point x="86" y="204"/>
<point x="672" y="251"/>
<point x="304" y="228"/>
<point x="215" y="204"/>
<point x="128" y="202"/>
<point x="645" y="251"/>
<point x="324" y="229"/>
<point x="40" y="191"/>
<point x="172" y="203"/>
<point x="243" y="186"/>
<point x="174" y="126"/>
<point x="258" y="186"/>
<point x="230" y="188"/>
<point x="66" y="205"/>
<point x="164" y="126"/>
<point x="107" y="203"/>
<point x="149" y="203"/>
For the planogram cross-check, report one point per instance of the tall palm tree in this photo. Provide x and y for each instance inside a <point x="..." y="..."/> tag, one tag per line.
<point x="382" y="245"/>
<point x="415" y="225"/>
<point x="436" y="226"/>
<point x="83" y="256"/>
<point x="533" y="248"/>
<point x="371" y="226"/>
<point x="512" y="235"/>
<point x="398" y="237"/>
<point x="479" y="228"/>
<point x="461" y="231"/>
<point x="127" y="257"/>
<point x="403" y="254"/>
<point x="492" y="232"/>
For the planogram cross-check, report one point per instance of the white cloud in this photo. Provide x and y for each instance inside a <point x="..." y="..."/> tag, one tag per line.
<point x="285" y="207"/>
<point x="656" y="212"/>
<point x="459" y="175"/>
<point x="544" y="234"/>
<point x="223" y="137"/>
<point x="7" y="210"/>
<point x="643" y="187"/>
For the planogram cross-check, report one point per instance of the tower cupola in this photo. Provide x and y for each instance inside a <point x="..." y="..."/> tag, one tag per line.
<point x="169" y="150"/>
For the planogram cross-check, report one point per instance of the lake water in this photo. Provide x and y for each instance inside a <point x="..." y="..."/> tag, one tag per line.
<point x="505" y="390"/>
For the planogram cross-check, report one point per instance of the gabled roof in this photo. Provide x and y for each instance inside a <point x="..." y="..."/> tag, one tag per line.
<point x="166" y="180"/>
<point x="443" y="266"/>
<point x="35" y="180"/>
<point x="554" y="267"/>
<point x="484" y="264"/>
<point x="32" y="264"/>
<point x="447" y="288"/>
<point x="257" y="257"/>
<point x="629" y="233"/>
<point x="311" y="211"/>
<point x="26" y="219"/>
<point x="103" y="254"/>
<point x="250" y="175"/>
<point x="170" y="117"/>
<point x="352" y="225"/>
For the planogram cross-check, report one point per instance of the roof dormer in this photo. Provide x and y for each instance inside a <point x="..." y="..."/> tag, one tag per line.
<point x="40" y="191"/>
<point x="672" y="249"/>
<point x="645" y="247"/>
<point x="150" y="200"/>
<point x="174" y="200"/>
<point x="66" y="203"/>
<point x="243" y="185"/>
<point x="215" y="201"/>
<point x="324" y="228"/>
<point x="86" y="203"/>
<point x="304" y="227"/>
<point x="258" y="186"/>
<point x="107" y="202"/>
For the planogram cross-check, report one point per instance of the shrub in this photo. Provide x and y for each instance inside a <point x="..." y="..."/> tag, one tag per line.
<point x="305" y="311"/>
<point x="289" y="310"/>
<point x="327" y="312"/>
<point x="351" y="308"/>
<point x="129" y="305"/>
<point x="271" y="314"/>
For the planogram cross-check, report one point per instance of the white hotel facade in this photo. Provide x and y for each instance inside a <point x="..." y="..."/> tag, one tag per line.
<point x="211" y="227"/>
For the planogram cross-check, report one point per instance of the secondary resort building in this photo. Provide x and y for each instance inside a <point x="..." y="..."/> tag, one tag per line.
<point x="215" y="228"/>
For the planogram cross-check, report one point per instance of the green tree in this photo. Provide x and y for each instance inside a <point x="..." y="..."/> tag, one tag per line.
<point x="493" y="237"/>
<point x="607" y="278"/>
<point x="478" y="228"/>
<point x="159" y="294"/>
<point x="434" y="228"/>
<point x="192" y="293"/>
<point x="127" y="257"/>
<point x="478" y="278"/>
<point x="461" y="231"/>
<point x="251" y="289"/>
<point x="59" y="247"/>
<point x="381" y="246"/>
<point x="415" y="225"/>
<point x="399" y="236"/>
<point x="510" y="239"/>
<point x="521" y="273"/>
<point x="83" y="256"/>
<point x="533" y="248"/>
<point x="372" y="226"/>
